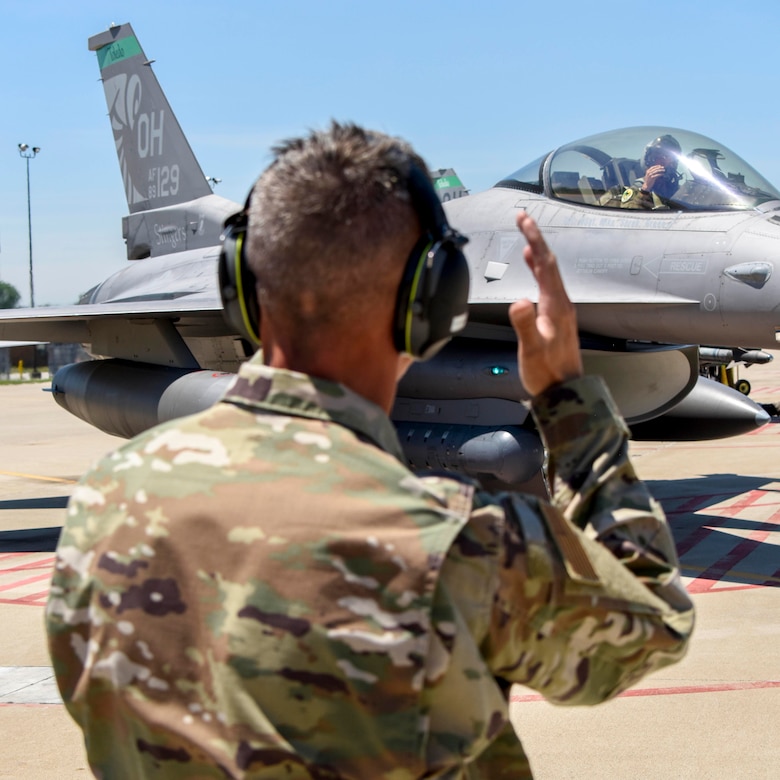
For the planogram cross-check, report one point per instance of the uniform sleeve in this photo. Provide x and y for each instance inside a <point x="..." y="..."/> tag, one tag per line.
<point x="588" y="596"/>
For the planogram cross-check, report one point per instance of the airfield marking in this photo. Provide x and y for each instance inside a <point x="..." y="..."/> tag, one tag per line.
<point x="39" y="477"/>
<point x="21" y="578"/>
<point x="707" y="566"/>
<point x="745" y="685"/>
<point x="709" y="579"/>
<point x="759" y="579"/>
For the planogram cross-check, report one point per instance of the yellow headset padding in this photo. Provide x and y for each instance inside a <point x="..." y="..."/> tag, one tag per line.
<point x="413" y="296"/>
<point x="239" y="277"/>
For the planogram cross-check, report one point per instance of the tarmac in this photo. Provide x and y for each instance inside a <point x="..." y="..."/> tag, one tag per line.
<point x="714" y="715"/>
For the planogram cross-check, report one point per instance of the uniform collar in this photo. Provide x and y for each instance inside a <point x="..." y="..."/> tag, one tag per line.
<point x="293" y="393"/>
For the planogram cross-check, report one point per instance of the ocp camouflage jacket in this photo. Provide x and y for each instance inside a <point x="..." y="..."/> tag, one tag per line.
<point x="264" y="590"/>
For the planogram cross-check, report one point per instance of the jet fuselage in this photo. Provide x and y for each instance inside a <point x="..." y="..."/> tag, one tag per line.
<point x="666" y="276"/>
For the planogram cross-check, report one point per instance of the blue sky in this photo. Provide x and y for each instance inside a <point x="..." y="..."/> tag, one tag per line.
<point x="483" y="89"/>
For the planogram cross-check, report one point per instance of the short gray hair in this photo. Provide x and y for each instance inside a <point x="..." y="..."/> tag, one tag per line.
<point x="331" y="223"/>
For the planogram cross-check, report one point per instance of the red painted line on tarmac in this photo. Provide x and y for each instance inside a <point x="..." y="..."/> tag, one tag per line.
<point x="28" y="581"/>
<point x="753" y="579"/>
<point x="40" y="568"/>
<point x="774" y="431"/>
<point x="17" y="555"/>
<point x="747" y="685"/>
<point x="26" y="560"/>
<point x="729" y="588"/>
<point x="700" y="533"/>
<point x="710" y="577"/>
<point x="36" y="599"/>
<point x="744" y="501"/>
<point x="47" y="563"/>
<point x="33" y="600"/>
<point x="28" y="601"/>
<point x="693" y="504"/>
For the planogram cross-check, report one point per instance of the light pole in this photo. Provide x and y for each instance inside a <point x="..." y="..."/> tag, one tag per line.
<point x="28" y="153"/>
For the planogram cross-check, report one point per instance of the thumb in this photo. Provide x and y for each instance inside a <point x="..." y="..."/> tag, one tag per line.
<point x="522" y="315"/>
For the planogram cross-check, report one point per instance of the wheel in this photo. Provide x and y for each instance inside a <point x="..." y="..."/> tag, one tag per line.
<point x="743" y="386"/>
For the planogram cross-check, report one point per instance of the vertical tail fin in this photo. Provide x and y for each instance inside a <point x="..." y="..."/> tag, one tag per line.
<point x="447" y="184"/>
<point x="172" y="208"/>
<point x="158" y="166"/>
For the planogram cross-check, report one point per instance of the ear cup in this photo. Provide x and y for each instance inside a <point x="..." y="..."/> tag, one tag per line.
<point x="432" y="303"/>
<point x="237" y="284"/>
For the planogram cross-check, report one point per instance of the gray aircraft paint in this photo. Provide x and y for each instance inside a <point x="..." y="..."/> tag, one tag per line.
<point x="669" y="277"/>
<point x="172" y="208"/>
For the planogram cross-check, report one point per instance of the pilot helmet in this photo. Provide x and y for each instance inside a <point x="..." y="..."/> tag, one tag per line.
<point x="664" y="150"/>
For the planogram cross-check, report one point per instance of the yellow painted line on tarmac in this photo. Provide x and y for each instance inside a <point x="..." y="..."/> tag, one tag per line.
<point x="38" y="476"/>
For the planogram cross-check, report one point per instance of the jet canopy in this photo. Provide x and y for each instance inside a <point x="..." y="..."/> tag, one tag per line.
<point x="608" y="170"/>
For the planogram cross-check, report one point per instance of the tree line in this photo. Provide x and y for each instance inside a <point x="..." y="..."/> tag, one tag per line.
<point x="9" y="296"/>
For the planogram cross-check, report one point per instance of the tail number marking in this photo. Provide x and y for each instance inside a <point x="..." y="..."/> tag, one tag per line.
<point x="163" y="181"/>
<point x="150" y="134"/>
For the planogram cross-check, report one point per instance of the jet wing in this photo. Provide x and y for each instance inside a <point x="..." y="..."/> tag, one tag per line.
<point x="76" y="323"/>
<point x="157" y="331"/>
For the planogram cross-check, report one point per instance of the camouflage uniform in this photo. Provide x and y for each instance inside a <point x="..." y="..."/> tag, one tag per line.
<point x="264" y="590"/>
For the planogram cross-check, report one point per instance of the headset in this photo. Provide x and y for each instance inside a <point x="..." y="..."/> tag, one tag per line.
<point x="432" y="302"/>
<point x="237" y="283"/>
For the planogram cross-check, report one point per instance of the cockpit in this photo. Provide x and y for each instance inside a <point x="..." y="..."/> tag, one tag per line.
<point x="654" y="168"/>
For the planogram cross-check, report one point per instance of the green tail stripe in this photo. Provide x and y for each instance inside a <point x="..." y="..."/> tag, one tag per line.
<point x="118" y="51"/>
<point x="447" y="181"/>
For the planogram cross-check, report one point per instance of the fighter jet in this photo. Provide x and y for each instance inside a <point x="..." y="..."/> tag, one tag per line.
<point x="648" y="286"/>
<point x="664" y="236"/>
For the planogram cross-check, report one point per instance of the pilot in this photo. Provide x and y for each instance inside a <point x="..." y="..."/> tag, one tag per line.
<point x="661" y="178"/>
<point x="265" y="589"/>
